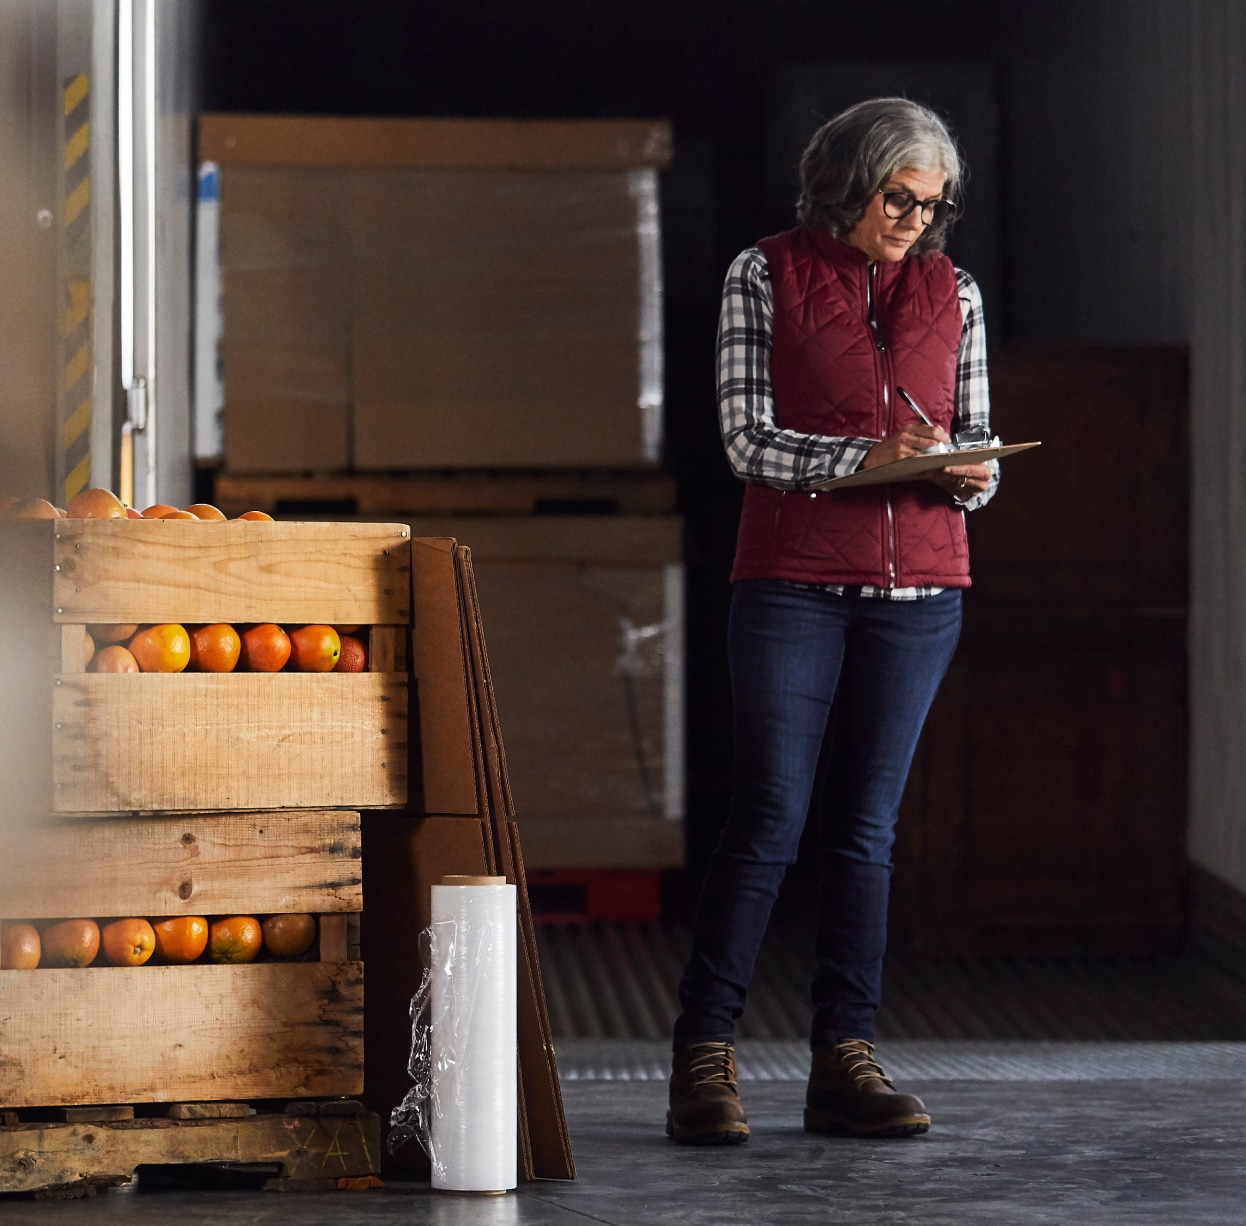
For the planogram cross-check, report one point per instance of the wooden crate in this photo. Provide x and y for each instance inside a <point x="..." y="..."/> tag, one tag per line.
<point x="108" y="743"/>
<point x="105" y="1034"/>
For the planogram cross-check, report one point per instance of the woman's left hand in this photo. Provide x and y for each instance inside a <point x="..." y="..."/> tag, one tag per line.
<point x="962" y="481"/>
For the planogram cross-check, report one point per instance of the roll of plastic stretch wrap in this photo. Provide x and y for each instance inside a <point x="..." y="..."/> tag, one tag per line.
<point x="472" y="1122"/>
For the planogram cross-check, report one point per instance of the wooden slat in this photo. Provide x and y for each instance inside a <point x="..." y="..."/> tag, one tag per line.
<point x="383" y="649"/>
<point x="217" y="864"/>
<point x="74" y="649"/>
<point x="483" y="144"/>
<point x="198" y="741"/>
<point x="333" y="938"/>
<point x="172" y="1033"/>
<point x="179" y="571"/>
<point x="38" y="1156"/>
<point x="640" y="492"/>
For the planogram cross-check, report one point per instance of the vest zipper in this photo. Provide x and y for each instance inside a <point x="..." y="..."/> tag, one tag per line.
<point x="884" y="360"/>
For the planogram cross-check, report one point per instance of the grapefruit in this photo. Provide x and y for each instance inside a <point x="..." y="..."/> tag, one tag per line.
<point x="128" y="942"/>
<point x="158" y="510"/>
<point x="19" y="947"/>
<point x="265" y="648"/>
<point x="205" y="510"/>
<point x="354" y="657"/>
<point x="113" y="659"/>
<point x="95" y="504"/>
<point x="214" y="649"/>
<point x="32" y="508"/>
<point x="73" y="942"/>
<point x="315" y="649"/>
<point x="287" y="936"/>
<point x="182" y="938"/>
<point x="237" y="939"/>
<point x="258" y="516"/>
<point x="113" y="632"/>
<point x="161" y="649"/>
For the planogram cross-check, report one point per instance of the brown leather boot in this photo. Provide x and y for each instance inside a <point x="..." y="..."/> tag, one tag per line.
<point x="705" y="1107"/>
<point x="850" y="1094"/>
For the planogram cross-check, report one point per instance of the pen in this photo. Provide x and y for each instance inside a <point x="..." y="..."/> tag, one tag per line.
<point x="913" y="405"/>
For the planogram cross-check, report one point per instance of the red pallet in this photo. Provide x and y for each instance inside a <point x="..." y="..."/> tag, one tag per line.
<point x="582" y="896"/>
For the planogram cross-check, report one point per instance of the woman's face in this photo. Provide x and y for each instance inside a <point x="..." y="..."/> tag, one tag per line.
<point x="886" y="238"/>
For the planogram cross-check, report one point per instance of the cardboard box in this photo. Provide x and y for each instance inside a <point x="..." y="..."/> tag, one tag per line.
<point x="432" y="299"/>
<point x="585" y="624"/>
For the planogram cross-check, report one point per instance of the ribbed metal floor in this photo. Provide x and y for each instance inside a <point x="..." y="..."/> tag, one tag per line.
<point x="925" y="1060"/>
<point x="619" y="981"/>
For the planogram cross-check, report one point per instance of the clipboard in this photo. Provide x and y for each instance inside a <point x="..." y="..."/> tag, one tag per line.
<point x="915" y="467"/>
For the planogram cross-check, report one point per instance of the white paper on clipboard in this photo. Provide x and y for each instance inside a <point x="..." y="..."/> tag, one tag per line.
<point x="915" y="467"/>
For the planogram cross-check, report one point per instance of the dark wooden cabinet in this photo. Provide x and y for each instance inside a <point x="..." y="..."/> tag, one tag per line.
<point x="1046" y="809"/>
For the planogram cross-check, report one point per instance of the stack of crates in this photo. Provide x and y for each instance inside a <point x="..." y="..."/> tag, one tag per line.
<point x="206" y="794"/>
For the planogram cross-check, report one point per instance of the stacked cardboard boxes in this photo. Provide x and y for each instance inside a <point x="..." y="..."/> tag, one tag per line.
<point x="461" y="321"/>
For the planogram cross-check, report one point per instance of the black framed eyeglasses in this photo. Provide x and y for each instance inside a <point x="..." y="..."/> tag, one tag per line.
<point x="901" y="204"/>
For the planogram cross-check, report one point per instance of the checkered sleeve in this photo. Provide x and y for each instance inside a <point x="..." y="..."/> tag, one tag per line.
<point x="973" y="396"/>
<point x="758" y="449"/>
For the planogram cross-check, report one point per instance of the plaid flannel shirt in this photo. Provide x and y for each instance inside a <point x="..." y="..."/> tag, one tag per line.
<point x="760" y="450"/>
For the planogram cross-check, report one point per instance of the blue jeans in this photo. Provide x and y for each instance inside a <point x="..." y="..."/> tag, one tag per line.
<point x="790" y="650"/>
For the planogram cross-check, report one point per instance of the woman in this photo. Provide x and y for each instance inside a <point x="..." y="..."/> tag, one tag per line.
<point x="857" y="591"/>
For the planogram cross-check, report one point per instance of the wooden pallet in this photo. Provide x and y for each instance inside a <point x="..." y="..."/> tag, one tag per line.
<point x="316" y="1148"/>
<point x="641" y="492"/>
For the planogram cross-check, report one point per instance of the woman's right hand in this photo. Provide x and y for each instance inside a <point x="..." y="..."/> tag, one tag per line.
<point x="911" y="439"/>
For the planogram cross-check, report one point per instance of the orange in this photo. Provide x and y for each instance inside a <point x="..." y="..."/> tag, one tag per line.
<point x="346" y="629"/>
<point x="95" y="504"/>
<point x="265" y="648"/>
<point x="315" y="649"/>
<point x="131" y="513"/>
<point x="72" y="942"/>
<point x="354" y="657"/>
<point x="161" y="649"/>
<point x="182" y="938"/>
<point x="114" y="659"/>
<point x="113" y="632"/>
<point x="236" y="939"/>
<point x="287" y="936"/>
<point x="205" y="510"/>
<point x="179" y="515"/>
<point x="128" y="942"/>
<point x="256" y="515"/>
<point x="19" y="947"/>
<point x="32" y="508"/>
<point x="214" y="649"/>
<point x="88" y="649"/>
<point x="158" y="510"/>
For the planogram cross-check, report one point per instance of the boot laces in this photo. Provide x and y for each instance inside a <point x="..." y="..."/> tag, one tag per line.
<point x="713" y="1064"/>
<point x="857" y="1056"/>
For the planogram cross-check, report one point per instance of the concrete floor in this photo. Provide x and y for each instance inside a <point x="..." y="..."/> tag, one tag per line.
<point x="1003" y="1152"/>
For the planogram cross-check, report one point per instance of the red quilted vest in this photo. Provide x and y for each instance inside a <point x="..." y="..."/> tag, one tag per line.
<point x="831" y="375"/>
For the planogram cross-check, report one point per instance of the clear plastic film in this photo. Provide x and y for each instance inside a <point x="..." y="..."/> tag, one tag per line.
<point x="462" y="1106"/>
<point x="653" y="652"/>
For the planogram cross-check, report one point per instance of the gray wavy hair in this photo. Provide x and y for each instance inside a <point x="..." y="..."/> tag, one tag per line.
<point x="851" y="156"/>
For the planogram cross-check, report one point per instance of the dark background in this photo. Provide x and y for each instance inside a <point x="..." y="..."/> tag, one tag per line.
<point x="1036" y="93"/>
